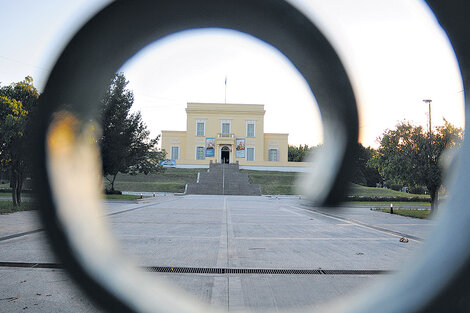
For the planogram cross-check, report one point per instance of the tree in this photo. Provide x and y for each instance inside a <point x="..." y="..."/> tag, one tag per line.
<point x="125" y="143"/>
<point x="364" y="174"/>
<point x="410" y="156"/>
<point x="298" y="154"/>
<point x="17" y="104"/>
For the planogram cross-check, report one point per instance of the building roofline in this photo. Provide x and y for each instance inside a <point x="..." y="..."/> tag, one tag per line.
<point x="227" y="108"/>
<point x="222" y="103"/>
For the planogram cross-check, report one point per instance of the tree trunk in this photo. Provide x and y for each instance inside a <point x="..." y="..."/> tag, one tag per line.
<point x="434" y="201"/>
<point x="16" y="184"/>
<point x="14" y="196"/>
<point x="14" y="189"/>
<point x="18" y="191"/>
<point x="112" y="182"/>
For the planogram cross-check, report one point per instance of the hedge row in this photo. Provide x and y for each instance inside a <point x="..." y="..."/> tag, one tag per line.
<point x="22" y="191"/>
<point x="388" y="199"/>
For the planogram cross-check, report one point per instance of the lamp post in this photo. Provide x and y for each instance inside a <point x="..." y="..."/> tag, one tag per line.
<point x="428" y="101"/>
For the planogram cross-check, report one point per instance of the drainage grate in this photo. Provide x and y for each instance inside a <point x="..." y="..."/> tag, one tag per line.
<point x="195" y="270"/>
<point x="30" y="265"/>
<point x="354" y="272"/>
<point x="215" y="270"/>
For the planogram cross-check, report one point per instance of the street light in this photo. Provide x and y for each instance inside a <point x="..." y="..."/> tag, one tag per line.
<point x="428" y="101"/>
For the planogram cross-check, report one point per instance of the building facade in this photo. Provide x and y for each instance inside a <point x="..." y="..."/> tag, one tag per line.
<point x="225" y="133"/>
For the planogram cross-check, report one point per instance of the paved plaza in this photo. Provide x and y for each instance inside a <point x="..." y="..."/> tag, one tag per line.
<point x="225" y="232"/>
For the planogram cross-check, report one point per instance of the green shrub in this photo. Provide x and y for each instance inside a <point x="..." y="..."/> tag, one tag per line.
<point x="6" y="206"/>
<point x="396" y="187"/>
<point x="121" y="197"/>
<point x="387" y="199"/>
<point x="112" y="192"/>
<point x="419" y="190"/>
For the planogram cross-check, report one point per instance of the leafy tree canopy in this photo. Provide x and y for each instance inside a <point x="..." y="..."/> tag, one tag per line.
<point x="125" y="143"/>
<point x="298" y="154"/>
<point x="17" y="104"/>
<point x="364" y="174"/>
<point x="408" y="155"/>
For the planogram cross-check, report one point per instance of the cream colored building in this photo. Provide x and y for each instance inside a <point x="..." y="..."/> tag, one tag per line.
<point x="226" y="133"/>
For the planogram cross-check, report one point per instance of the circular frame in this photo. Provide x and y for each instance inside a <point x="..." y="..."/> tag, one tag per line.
<point x="435" y="283"/>
<point x="80" y="78"/>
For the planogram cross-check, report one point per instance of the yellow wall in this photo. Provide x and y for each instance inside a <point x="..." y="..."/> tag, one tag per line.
<point x="276" y="141"/>
<point x="213" y="114"/>
<point x="237" y="115"/>
<point x="172" y="138"/>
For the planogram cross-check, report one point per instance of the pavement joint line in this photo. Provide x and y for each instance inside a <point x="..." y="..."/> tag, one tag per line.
<point x="140" y="207"/>
<point x="170" y="236"/>
<point x="406" y="224"/>
<point x="31" y="265"/>
<point x="361" y="224"/>
<point x="228" y="256"/>
<point x="226" y="223"/>
<point x="162" y="223"/>
<point x="216" y="270"/>
<point x="313" y="238"/>
<point x="115" y="213"/>
<point x="21" y="234"/>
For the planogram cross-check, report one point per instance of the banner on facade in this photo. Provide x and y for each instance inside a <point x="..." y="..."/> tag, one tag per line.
<point x="240" y="148"/>
<point x="168" y="163"/>
<point x="210" y="147"/>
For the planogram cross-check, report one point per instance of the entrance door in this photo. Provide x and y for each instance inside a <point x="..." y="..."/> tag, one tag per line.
<point x="225" y="155"/>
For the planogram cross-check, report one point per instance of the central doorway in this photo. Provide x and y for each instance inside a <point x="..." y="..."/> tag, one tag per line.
<point x="225" y="155"/>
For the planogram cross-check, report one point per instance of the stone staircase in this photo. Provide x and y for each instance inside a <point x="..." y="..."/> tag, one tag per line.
<point x="223" y="179"/>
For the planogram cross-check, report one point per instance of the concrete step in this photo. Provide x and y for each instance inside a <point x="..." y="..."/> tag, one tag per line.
<point x="223" y="179"/>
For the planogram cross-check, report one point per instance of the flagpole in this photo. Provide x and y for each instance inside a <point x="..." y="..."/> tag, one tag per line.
<point x="225" y="89"/>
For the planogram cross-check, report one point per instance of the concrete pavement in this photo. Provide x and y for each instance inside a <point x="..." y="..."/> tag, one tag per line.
<point x="222" y="232"/>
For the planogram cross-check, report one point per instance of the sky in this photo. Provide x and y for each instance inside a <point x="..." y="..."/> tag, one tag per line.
<point x="394" y="52"/>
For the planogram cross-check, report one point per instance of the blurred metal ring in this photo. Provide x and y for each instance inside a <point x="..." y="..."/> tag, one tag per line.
<point x="115" y="34"/>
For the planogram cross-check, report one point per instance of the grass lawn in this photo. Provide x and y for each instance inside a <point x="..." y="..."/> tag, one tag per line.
<point x="6" y="206"/>
<point x="397" y="203"/>
<point x="181" y="175"/>
<point x="362" y="191"/>
<point x="121" y="197"/>
<point x="407" y="212"/>
<point x="150" y="186"/>
<point x="271" y="183"/>
<point x="270" y="189"/>
<point x="171" y="180"/>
